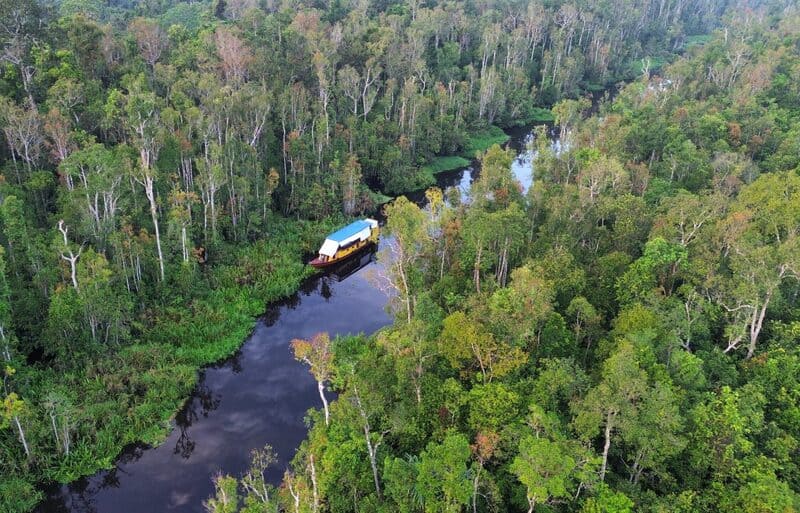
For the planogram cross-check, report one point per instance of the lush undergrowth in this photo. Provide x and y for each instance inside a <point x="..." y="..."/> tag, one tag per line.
<point x="476" y="142"/>
<point x="447" y="163"/>
<point x="481" y="140"/>
<point x="131" y="393"/>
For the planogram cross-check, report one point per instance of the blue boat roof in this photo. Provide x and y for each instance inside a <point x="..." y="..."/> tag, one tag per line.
<point x="348" y="231"/>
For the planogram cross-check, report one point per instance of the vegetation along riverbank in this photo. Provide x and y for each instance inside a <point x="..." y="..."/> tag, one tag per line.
<point x="165" y="166"/>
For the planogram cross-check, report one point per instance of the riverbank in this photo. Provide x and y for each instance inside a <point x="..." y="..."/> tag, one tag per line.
<point x="259" y="395"/>
<point x="132" y="393"/>
<point x="476" y="143"/>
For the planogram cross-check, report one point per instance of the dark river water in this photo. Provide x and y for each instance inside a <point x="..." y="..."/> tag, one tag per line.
<point x="259" y="396"/>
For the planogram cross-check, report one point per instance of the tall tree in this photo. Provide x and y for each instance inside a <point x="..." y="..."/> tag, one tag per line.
<point x="613" y="402"/>
<point x="318" y="355"/>
<point x="143" y="109"/>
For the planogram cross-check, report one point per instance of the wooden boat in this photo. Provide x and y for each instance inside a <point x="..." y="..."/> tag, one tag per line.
<point x="346" y="242"/>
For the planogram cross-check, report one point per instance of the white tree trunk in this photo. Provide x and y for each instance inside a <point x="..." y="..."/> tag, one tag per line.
<point x="22" y="436"/>
<point x="606" y="444"/>
<point x="148" y="189"/>
<point x="321" y="388"/>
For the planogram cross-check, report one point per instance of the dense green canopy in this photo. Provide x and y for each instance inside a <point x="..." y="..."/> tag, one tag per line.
<point x="622" y="337"/>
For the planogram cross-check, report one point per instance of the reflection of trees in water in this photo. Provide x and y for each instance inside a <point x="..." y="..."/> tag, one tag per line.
<point x="325" y="290"/>
<point x="132" y="453"/>
<point x="204" y="401"/>
<point x="184" y="446"/>
<point x="79" y="496"/>
<point x="110" y="479"/>
<point x="292" y="301"/>
<point x="235" y="362"/>
<point x="309" y="286"/>
<point x="272" y="315"/>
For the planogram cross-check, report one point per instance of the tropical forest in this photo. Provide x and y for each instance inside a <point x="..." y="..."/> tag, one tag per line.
<point x="575" y="285"/>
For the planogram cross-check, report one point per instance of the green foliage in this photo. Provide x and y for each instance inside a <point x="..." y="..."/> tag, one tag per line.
<point x="657" y="269"/>
<point x="608" y="501"/>
<point x="443" y="480"/>
<point x="147" y="149"/>
<point x="543" y="468"/>
<point x="481" y="140"/>
<point x="18" y="495"/>
<point x="585" y="338"/>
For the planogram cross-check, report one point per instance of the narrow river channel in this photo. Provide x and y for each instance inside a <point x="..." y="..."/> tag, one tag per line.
<point x="259" y="396"/>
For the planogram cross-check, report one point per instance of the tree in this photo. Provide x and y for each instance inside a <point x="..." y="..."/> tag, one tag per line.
<point x="544" y="468"/>
<point x="493" y="239"/>
<point x="658" y="270"/>
<point x="24" y="135"/>
<point x="720" y="434"/>
<point x="6" y="335"/>
<point x="412" y="352"/>
<point x="150" y="39"/>
<point x="443" y="480"/>
<point x="586" y="320"/>
<point x="226" y="495"/>
<point x="180" y="216"/>
<point x="145" y="129"/>
<point x="21" y="27"/>
<point x="400" y="477"/>
<point x="350" y="180"/>
<point x="519" y="311"/>
<point x="656" y="433"/>
<point x="406" y="225"/>
<point x="485" y="446"/>
<point x="94" y="173"/>
<point x="608" y="501"/>
<point x="759" y="240"/>
<point x="13" y="409"/>
<point x="496" y="186"/>
<point x="234" y="54"/>
<point x="258" y="491"/>
<point x="568" y="112"/>
<point x="67" y="253"/>
<point x="467" y="345"/>
<point x="612" y="403"/>
<point x="107" y="311"/>
<point x="211" y="178"/>
<point x="60" y="411"/>
<point x="317" y="354"/>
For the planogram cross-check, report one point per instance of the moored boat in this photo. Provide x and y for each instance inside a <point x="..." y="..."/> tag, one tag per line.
<point x="346" y="242"/>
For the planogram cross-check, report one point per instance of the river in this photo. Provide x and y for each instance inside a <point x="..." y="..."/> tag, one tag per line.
<point x="258" y="396"/>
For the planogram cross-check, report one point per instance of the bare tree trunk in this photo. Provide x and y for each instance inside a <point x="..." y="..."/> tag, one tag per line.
<point x="756" y="324"/>
<point x="22" y="436"/>
<point x="314" y="482"/>
<point x="148" y="188"/>
<point x="606" y="444"/>
<point x="476" y="273"/>
<point x="475" y="482"/>
<point x="183" y="244"/>
<point x="71" y="257"/>
<point x="55" y="429"/>
<point x="6" y="348"/>
<point x="371" y="449"/>
<point x="295" y="497"/>
<point x="321" y="388"/>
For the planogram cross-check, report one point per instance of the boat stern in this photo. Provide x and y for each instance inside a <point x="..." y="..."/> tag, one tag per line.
<point x="318" y="262"/>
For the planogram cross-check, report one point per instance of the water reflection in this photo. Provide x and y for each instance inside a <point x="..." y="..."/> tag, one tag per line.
<point x="258" y="396"/>
<point x="351" y="266"/>
<point x="205" y="400"/>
